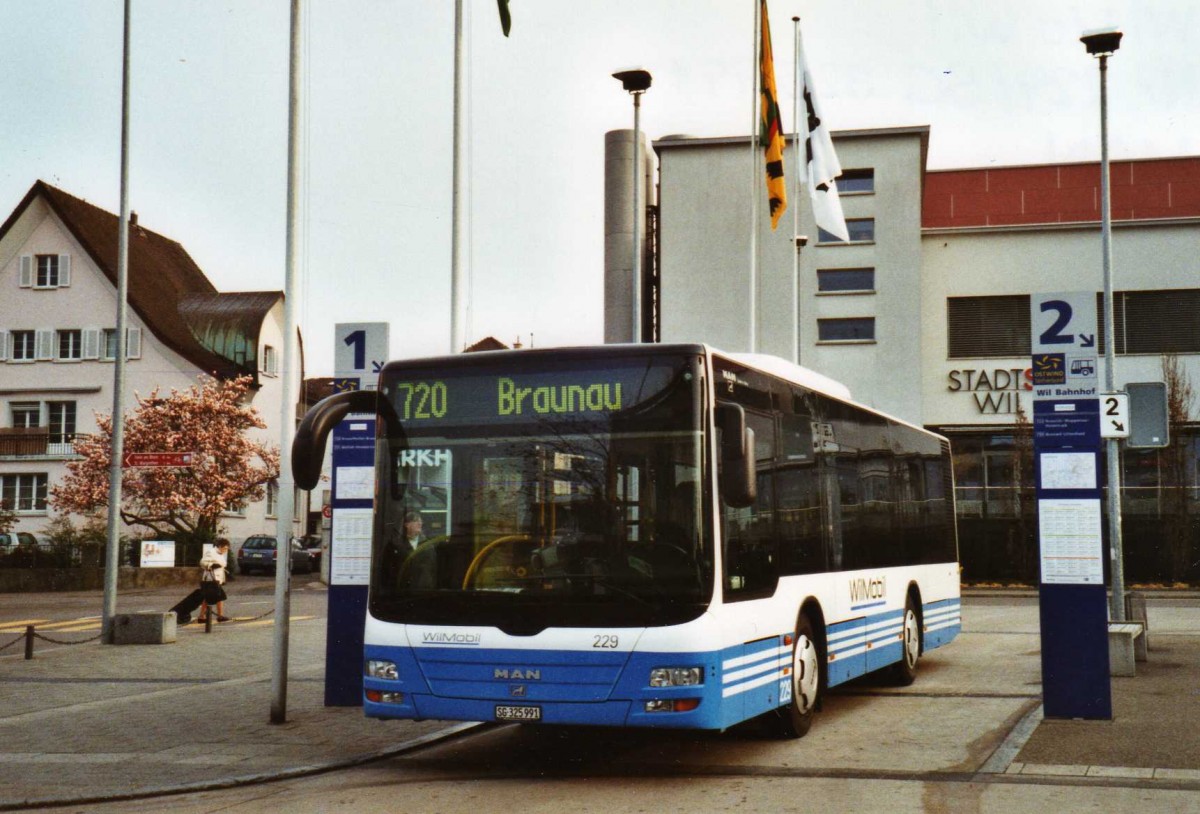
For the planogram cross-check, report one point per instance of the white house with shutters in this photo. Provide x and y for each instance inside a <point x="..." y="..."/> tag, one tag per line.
<point x="58" y="303"/>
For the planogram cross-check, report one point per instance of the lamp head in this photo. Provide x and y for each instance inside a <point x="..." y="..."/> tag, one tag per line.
<point x="1101" y="42"/>
<point x="634" y="80"/>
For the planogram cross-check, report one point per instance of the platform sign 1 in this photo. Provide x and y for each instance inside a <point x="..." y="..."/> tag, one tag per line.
<point x="360" y="351"/>
<point x="1067" y="449"/>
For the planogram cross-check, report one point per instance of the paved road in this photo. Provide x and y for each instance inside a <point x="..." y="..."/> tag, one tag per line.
<point x="99" y="723"/>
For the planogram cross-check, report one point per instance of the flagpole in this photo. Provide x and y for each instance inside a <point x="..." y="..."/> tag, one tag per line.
<point x="112" y="559"/>
<point x="458" y="280"/>
<point x="756" y="170"/>
<point x="796" y="198"/>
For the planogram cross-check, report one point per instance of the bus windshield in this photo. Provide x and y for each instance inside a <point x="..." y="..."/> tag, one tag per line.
<point x="563" y="492"/>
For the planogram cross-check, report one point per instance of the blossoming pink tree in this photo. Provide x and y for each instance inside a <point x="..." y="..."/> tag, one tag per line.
<point x="229" y="469"/>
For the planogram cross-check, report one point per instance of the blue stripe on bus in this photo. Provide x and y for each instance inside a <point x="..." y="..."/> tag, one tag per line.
<point x="612" y="688"/>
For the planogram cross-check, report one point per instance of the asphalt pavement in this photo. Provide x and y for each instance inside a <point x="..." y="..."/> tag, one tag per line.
<point x="90" y="723"/>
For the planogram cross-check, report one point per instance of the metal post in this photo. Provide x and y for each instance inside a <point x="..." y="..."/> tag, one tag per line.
<point x="287" y="414"/>
<point x="29" y="642"/>
<point x="638" y="220"/>
<point x="458" y="282"/>
<point x="796" y="197"/>
<point x="756" y="170"/>
<point x="1113" y="447"/>
<point x="113" y="554"/>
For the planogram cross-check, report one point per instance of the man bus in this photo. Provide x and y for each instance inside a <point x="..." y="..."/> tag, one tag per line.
<point x="649" y="536"/>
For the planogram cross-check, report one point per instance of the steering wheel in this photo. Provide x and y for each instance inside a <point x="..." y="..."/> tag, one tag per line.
<point x="422" y="550"/>
<point x="507" y="539"/>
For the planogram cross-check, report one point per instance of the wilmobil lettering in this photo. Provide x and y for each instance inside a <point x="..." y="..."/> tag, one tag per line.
<point x="862" y="589"/>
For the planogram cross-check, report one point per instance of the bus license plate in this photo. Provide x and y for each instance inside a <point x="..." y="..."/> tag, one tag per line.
<point x="518" y="713"/>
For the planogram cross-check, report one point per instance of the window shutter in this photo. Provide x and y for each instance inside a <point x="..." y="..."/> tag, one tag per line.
<point x="64" y="270"/>
<point x="133" y="343"/>
<point x="44" y="344"/>
<point x="91" y="343"/>
<point x="982" y="327"/>
<point x="3" y="345"/>
<point x="26" y="280"/>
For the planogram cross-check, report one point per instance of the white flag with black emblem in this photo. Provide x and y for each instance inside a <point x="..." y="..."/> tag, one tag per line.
<point x="821" y="166"/>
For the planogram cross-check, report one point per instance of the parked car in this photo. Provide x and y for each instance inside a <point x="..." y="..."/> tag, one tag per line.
<point x="312" y="544"/>
<point x="11" y="540"/>
<point x="258" y="553"/>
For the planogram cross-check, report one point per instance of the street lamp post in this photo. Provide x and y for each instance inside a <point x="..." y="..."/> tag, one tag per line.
<point x="636" y="81"/>
<point x="1102" y="44"/>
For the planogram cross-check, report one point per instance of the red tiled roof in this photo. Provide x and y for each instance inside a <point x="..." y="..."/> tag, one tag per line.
<point x="1148" y="189"/>
<point x="162" y="276"/>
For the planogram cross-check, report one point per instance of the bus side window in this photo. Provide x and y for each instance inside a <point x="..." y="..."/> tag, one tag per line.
<point x="751" y="558"/>
<point x="798" y="499"/>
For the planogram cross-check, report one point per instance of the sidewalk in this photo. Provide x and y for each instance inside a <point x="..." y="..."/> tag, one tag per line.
<point x="92" y="722"/>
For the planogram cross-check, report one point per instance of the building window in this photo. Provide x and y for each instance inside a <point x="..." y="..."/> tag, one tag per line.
<point x="1154" y="321"/>
<point x="1147" y="322"/>
<point x="47" y="271"/>
<point x="22" y="346"/>
<point x="70" y="344"/>
<point x="108" y="350"/>
<point x="26" y="415"/>
<point x="24" y="493"/>
<point x="855" y="329"/>
<point x="988" y="326"/>
<point x="852" y="182"/>
<point x="272" y="499"/>
<point x="270" y="364"/>
<point x="831" y="281"/>
<point x="862" y="230"/>
<point x="62" y="421"/>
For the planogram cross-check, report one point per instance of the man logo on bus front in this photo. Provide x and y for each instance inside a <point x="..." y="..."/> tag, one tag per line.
<point x="517" y="690"/>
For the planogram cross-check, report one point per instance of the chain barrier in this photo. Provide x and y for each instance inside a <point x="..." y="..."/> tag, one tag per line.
<point x="37" y="635"/>
<point x="20" y="636"/>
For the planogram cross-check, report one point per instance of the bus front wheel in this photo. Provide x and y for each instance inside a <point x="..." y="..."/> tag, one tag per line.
<point x="794" y="719"/>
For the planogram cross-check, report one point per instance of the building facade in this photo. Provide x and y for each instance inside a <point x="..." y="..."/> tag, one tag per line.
<point x="924" y="313"/>
<point x="58" y="300"/>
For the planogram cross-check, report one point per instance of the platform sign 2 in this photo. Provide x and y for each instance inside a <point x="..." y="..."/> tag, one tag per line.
<point x="1067" y="447"/>
<point x="360" y="351"/>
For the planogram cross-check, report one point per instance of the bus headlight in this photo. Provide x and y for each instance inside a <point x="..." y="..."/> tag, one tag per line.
<point x="382" y="669"/>
<point x="676" y="676"/>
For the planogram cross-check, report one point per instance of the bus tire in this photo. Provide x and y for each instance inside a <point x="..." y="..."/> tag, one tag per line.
<point x="904" y="672"/>
<point x="794" y="719"/>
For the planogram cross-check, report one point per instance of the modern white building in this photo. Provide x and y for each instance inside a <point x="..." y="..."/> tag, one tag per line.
<point x="58" y="301"/>
<point x="924" y="313"/>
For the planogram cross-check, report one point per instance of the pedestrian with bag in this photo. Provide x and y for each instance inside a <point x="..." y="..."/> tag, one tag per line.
<point x="214" y="567"/>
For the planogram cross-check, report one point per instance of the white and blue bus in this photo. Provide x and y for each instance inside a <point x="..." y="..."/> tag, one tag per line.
<point x="641" y="536"/>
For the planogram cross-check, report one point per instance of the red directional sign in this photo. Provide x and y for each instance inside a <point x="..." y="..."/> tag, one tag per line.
<point x="133" y="459"/>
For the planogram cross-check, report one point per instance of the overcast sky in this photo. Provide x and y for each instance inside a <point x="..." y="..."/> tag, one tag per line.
<point x="999" y="83"/>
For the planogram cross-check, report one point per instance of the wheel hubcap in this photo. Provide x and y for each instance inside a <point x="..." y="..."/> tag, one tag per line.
<point x="912" y="639"/>
<point x="805" y="675"/>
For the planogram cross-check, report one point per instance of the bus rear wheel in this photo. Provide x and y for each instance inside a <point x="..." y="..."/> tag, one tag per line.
<point x="904" y="672"/>
<point x="795" y="718"/>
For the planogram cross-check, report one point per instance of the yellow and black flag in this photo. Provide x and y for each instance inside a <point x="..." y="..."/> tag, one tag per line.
<point x="772" y="132"/>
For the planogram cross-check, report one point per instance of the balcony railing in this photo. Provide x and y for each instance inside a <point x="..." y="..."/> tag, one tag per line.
<point x="35" y="443"/>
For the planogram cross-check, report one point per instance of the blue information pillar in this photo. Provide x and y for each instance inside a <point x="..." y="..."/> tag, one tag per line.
<point x="360" y="350"/>
<point x="1066" y="445"/>
<point x="350" y="564"/>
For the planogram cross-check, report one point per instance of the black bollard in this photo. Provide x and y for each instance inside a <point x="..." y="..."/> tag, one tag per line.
<point x="28" y="642"/>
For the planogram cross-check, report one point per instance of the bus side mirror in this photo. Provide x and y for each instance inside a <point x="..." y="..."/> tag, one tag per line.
<point x="739" y="480"/>
<point x="308" y="447"/>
